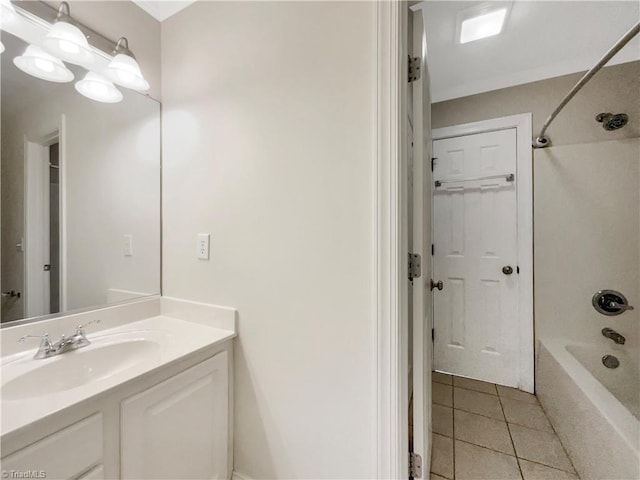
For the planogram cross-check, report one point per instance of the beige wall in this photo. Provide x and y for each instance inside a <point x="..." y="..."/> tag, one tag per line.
<point x="586" y="200"/>
<point x="614" y="89"/>
<point x="268" y="145"/>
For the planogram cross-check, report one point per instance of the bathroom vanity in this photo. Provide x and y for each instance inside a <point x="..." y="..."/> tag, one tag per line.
<point x="150" y="397"/>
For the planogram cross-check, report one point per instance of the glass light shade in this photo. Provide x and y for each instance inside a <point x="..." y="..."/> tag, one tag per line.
<point x="125" y="71"/>
<point x="482" y="26"/>
<point x="38" y="63"/>
<point x="1" y="47"/>
<point x="7" y="11"/>
<point x="67" y="42"/>
<point x="98" y="88"/>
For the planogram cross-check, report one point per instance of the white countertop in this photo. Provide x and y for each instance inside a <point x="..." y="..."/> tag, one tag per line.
<point x="165" y="340"/>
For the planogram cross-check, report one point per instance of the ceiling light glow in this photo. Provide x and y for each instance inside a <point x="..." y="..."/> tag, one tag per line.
<point x="482" y="26"/>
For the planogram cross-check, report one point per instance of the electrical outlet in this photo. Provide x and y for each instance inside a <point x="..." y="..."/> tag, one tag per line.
<point x="128" y="245"/>
<point x="203" y="246"/>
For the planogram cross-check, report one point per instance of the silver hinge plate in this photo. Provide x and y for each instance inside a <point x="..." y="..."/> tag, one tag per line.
<point x="415" y="465"/>
<point x="415" y="266"/>
<point x="414" y="69"/>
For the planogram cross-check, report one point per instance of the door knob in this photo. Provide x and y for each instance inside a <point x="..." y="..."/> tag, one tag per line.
<point x="439" y="285"/>
<point x="507" y="270"/>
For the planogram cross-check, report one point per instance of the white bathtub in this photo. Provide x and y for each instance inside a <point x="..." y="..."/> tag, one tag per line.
<point x="591" y="407"/>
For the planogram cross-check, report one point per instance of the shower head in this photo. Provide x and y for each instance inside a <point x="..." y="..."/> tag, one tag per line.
<point x="610" y="121"/>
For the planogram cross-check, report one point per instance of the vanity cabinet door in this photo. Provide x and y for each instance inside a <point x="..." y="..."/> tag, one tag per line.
<point x="65" y="454"/>
<point x="180" y="427"/>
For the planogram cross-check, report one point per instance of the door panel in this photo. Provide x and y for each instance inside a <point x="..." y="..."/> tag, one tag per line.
<point x="475" y="236"/>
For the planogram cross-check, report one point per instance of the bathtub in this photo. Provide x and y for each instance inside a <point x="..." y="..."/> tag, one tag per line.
<point x="594" y="410"/>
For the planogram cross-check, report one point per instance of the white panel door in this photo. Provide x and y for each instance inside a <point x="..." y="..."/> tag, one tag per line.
<point x="475" y="246"/>
<point x="180" y="427"/>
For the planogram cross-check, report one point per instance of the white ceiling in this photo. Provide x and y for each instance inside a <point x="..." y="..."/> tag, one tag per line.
<point x="541" y="39"/>
<point x="163" y="9"/>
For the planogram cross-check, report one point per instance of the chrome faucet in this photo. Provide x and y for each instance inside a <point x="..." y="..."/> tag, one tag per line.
<point x="65" y="344"/>
<point x="613" y="335"/>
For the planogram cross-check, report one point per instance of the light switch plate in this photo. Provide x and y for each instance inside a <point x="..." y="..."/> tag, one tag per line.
<point x="203" y="246"/>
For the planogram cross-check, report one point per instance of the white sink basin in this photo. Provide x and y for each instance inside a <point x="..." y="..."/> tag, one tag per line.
<point x="105" y="357"/>
<point x="79" y="367"/>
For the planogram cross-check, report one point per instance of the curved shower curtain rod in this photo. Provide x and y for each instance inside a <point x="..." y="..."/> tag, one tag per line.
<point x="541" y="140"/>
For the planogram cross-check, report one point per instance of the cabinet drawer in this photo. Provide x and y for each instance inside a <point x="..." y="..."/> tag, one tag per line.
<point x="64" y="454"/>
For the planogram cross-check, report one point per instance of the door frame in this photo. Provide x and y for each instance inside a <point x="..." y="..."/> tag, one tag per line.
<point x="36" y="177"/>
<point x="390" y="291"/>
<point x="524" y="197"/>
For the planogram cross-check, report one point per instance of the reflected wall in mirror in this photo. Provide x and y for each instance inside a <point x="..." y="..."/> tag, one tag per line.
<point x="80" y="223"/>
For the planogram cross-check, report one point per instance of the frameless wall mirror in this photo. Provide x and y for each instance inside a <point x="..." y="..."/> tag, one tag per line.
<point x="80" y="194"/>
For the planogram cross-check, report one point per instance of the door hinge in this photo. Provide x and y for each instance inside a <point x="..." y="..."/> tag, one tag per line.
<point x="433" y="335"/>
<point x="415" y="266"/>
<point x="433" y="249"/>
<point x="518" y="270"/>
<point x="414" y="68"/>
<point x="415" y="465"/>
<point x="433" y="162"/>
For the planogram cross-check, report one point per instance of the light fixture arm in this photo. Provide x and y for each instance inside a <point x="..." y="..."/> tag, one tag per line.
<point x="63" y="10"/>
<point x="122" y="47"/>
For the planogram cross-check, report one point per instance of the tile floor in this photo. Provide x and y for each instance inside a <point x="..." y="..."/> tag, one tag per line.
<point x="486" y="431"/>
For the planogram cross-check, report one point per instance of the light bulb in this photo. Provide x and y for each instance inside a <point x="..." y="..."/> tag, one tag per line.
<point x="44" y="64"/>
<point x="68" y="47"/>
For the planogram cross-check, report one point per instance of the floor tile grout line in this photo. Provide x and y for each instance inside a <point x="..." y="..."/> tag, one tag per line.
<point x="538" y="462"/>
<point x="548" y="466"/>
<point x="560" y="441"/>
<point x="511" y="438"/>
<point x="487" y="448"/>
<point x="497" y="419"/>
<point x="453" y="429"/>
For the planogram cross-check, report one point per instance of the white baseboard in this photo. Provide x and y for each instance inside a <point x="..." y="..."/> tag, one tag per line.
<point x="239" y="476"/>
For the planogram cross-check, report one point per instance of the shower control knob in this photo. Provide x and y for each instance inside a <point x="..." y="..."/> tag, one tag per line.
<point x="507" y="270"/>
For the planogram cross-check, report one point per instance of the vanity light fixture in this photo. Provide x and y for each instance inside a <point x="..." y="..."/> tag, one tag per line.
<point x="38" y="63"/>
<point x="7" y="12"/>
<point x="124" y="69"/>
<point x="67" y="41"/>
<point x="1" y="47"/>
<point x="98" y="88"/>
<point x="481" y="22"/>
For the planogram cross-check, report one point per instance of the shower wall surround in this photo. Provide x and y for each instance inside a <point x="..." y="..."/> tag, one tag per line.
<point x="268" y="138"/>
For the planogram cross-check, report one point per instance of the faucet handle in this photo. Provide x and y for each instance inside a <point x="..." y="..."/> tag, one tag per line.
<point x="620" y="306"/>
<point x="80" y="328"/>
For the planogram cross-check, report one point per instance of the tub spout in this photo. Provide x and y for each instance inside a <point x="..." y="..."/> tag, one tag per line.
<point x="613" y="335"/>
